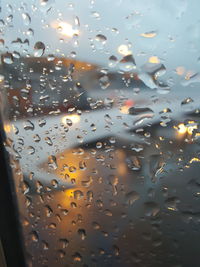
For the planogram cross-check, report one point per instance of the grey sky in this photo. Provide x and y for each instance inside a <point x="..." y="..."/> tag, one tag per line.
<point x="175" y="24"/>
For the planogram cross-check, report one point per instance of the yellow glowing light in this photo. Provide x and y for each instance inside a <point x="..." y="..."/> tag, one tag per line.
<point x="69" y="193"/>
<point x="123" y="50"/>
<point x="154" y="60"/>
<point x="124" y="110"/>
<point x="7" y="128"/>
<point x="194" y="160"/>
<point x="67" y="29"/>
<point x="73" y="117"/>
<point x="182" y="129"/>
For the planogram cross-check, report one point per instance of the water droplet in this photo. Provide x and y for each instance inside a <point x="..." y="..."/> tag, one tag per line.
<point x="127" y="63"/>
<point x="151" y="208"/>
<point x="36" y="138"/>
<point x="82" y="234"/>
<point x="39" y="186"/>
<point x="31" y="150"/>
<point x="72" y="169"/>
<point x="108" y="213"/>
<point x="54" y="183"/>
<point x="50" y="57"/>
<point x="191" y="78"/>
<point x="90" y="196"/>
<point x="48" y="141"/>
<point x="104" y="82"/>
<point x="15" y="128"/>
<point x="80" y="138"/>
<point x="39" y="48"/>
<point x="45" y="245"/>
<point x="28" y="125"/>
<point x="156" y="165"/>
<point x="26" y="18"/>
<point x="151" y="72"/>
<point x="61" y="253"/>
<point x="137" y="147"/>
<point x="25" y="187"/>
<point x="31" y="175"/>
<point x="64" y="243"/>
<point x="116" y="250"/>
<point x="9" y="19"/>
<point x="82" y="165"/>
<point x="34" y="236"/>
<point x="77" y="257"/>
<point x="52" y="225"/>
<point x="77" y="21"/>
<point x="150" y="34"/>
<point x="95" y="225"/>
<point x="134" y="163"/>
<point x="171" y="203"/>
<point x="113" y="180"/>
<point x="46" y="5"/>
<point x="131" y="197"/>
<point x="100" y="41"/>
<point x="187" y="101"/>
<point x="52" y="162"/>
<point x="98" y="145"/>
<point x="2" y="23"/>
<point x="139" y="111"/>
<point x="73" y="54"/>
<point x="112" y="61"/>
<point x="65" y="212"/>
<point x="8" y="58"/>
<point x="87" y="183"/>
<point x="95" y="15"/>
<point x="115" y="31"/>
<point x="78" y="194"/>
<point x="48" y="211"/>
<point x="69" y="122"/>
<point x="44" y="2"/>
<point x="30" y="32"/>
<point x="16" y="54"/>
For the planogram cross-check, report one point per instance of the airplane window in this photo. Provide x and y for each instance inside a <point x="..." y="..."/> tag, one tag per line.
<point x="100" y="106"/>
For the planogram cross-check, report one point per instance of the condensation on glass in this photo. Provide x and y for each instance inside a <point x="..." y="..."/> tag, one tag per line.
<point x="100" y="104"/>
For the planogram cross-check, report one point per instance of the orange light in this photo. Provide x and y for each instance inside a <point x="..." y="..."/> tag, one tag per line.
<point x="180" y="70"/>
<point x="7" y="128"/>
<point x="124" y="110"/>
<point x="154" y="60"/>
<point x="148" y="34"/>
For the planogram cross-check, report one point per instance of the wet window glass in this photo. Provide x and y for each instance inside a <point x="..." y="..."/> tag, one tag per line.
<point x="100" y="106"/>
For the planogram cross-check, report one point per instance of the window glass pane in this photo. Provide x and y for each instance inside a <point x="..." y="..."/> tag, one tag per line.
<point x="100" y="104"/>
